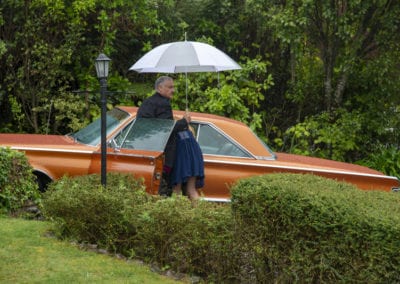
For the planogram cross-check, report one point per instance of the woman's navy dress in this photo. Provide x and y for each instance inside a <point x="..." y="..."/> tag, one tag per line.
<point x="188" y="160"/>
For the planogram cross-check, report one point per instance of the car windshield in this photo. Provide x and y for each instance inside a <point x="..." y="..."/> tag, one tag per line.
<point x="145" y="134"/>
<point x="91" y="134"/>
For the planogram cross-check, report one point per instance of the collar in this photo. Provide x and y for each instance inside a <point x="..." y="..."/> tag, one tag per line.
<point x="162" y="97"/>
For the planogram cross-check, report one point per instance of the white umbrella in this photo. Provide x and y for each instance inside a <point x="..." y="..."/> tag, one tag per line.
<point x="184" y="57"/>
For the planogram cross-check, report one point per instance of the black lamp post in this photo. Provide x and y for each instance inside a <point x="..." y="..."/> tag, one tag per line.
<point x="102" y="64"/>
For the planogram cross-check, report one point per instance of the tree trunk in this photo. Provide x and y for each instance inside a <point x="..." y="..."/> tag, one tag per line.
<point x="340" y="88"/>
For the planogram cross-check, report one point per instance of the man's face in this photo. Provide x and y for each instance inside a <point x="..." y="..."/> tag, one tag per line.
<point x="166" y="89"/>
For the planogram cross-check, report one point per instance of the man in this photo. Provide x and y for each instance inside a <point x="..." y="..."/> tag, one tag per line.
<point x="159" y="106"/>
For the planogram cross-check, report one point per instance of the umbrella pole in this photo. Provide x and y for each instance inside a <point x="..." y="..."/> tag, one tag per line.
<point x="186" y="92"/>
<point x="186" y="109"/>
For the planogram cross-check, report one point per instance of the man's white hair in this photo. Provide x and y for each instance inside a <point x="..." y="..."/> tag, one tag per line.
<point x="161" y="80"/>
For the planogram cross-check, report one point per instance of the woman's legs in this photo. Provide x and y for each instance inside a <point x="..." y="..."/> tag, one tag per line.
<point x="191" y="189"/>
<point x="177" y="189"/>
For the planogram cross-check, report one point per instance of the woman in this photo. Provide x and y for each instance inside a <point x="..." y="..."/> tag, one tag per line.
<point x="188" y="165"/>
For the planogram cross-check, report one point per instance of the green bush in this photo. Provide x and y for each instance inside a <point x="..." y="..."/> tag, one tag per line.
<point x="85" y="210"/>
<point x="17" y="182"/>
<point x="278" y="228"/>
<point x="310" y="229"/>
<point x="191" y="239"/>
<point x="123" y="218"/>
<point x="384" y="159"/>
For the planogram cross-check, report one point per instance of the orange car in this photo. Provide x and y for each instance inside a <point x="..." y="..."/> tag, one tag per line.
<point x="231" y="151"/>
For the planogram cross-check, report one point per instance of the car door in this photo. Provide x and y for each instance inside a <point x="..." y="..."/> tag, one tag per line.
<point x="139" y="149"/>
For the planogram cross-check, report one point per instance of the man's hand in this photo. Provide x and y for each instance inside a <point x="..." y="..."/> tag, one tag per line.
<point x="187" y="116"/>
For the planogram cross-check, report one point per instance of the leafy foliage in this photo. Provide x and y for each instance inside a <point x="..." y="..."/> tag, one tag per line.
<point x="188" y="239"/>
<point x="231" y="94"/>
<point x="302" y="60"/>
<point x="124" y="219"/>
<point x="17" y="182"/>
<point x="326" y="136"/>
<point x="278" y="228"/>
<point x="83" y="209"/>
<point x="317" y="230"/>
<point x="384" y="159"/>
<point x="339" y="33"/>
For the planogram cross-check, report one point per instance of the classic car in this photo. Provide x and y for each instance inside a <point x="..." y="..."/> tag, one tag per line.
<point x="230" y="148"/>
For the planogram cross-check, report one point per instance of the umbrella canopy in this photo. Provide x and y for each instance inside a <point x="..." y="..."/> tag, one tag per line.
<point x="184" y="57"/>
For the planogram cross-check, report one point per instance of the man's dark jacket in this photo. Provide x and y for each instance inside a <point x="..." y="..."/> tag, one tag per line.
<point x="158" y="106"/>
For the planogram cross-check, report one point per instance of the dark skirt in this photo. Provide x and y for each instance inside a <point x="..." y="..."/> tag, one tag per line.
<point x="188" y="160"/>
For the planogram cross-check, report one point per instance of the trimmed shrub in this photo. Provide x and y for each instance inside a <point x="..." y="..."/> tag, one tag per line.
<point x="190" y="239"/>
<point x="170" y="232"/>
<point x="310" y="229"/>
<point x="86" y="211"/>
<point x="278" y="228"/>
<point x="17" y="182"/>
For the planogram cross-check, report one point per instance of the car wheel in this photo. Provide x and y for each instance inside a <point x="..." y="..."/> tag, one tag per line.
<point x="42" y="180"/>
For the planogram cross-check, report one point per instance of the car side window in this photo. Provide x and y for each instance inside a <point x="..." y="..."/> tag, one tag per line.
<point x="213" y="142"/>
<point x="145" y="134"/>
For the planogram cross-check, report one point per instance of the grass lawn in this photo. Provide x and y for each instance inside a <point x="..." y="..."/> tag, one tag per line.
<point x="28" y="256"/>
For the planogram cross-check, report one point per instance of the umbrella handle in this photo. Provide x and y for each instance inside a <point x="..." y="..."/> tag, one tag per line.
<point x="187" y="115"/>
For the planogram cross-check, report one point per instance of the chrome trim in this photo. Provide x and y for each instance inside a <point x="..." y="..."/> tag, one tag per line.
<point x="52" y="150"/>
<point x="301" y="169"/>
<point x="129" y="126"/>
<point x="263" y="158"/>
<point x="211" y="199"/>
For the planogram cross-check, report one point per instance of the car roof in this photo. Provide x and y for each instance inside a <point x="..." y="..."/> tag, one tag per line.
<point x="236" y="130"/>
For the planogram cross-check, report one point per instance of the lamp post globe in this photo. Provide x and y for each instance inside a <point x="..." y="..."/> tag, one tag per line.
<point x="102" y="66"/>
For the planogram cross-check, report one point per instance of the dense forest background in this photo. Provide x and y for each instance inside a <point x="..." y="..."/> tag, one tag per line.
<point x="319" y="77"/>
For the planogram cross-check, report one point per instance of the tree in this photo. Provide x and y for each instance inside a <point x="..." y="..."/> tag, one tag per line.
<point x="340" y="33"/>
<point x="48" y="50"/>
<point x="306" y="63"/>
<point x="40" y="41"/>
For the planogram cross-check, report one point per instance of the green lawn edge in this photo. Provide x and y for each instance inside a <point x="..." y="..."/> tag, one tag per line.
<point x="29" y="255"/>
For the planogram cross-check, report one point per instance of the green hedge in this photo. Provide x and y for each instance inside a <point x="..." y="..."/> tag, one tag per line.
<point x="277" y="229"/>
<point x="17" y="182"/>
<point x="86" y="211"/>
<point x="190" y="239"/>
<point x="310" y="229"/>
<point x="123" y="218"/>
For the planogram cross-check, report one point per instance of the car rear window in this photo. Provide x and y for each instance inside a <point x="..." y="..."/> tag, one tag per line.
<point x="213" y="142"/>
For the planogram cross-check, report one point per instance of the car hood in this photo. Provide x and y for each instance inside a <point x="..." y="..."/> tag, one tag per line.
<point x="56" y="143"/>
<point x="312" y="162"/>
<point x="22" y="141"/>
